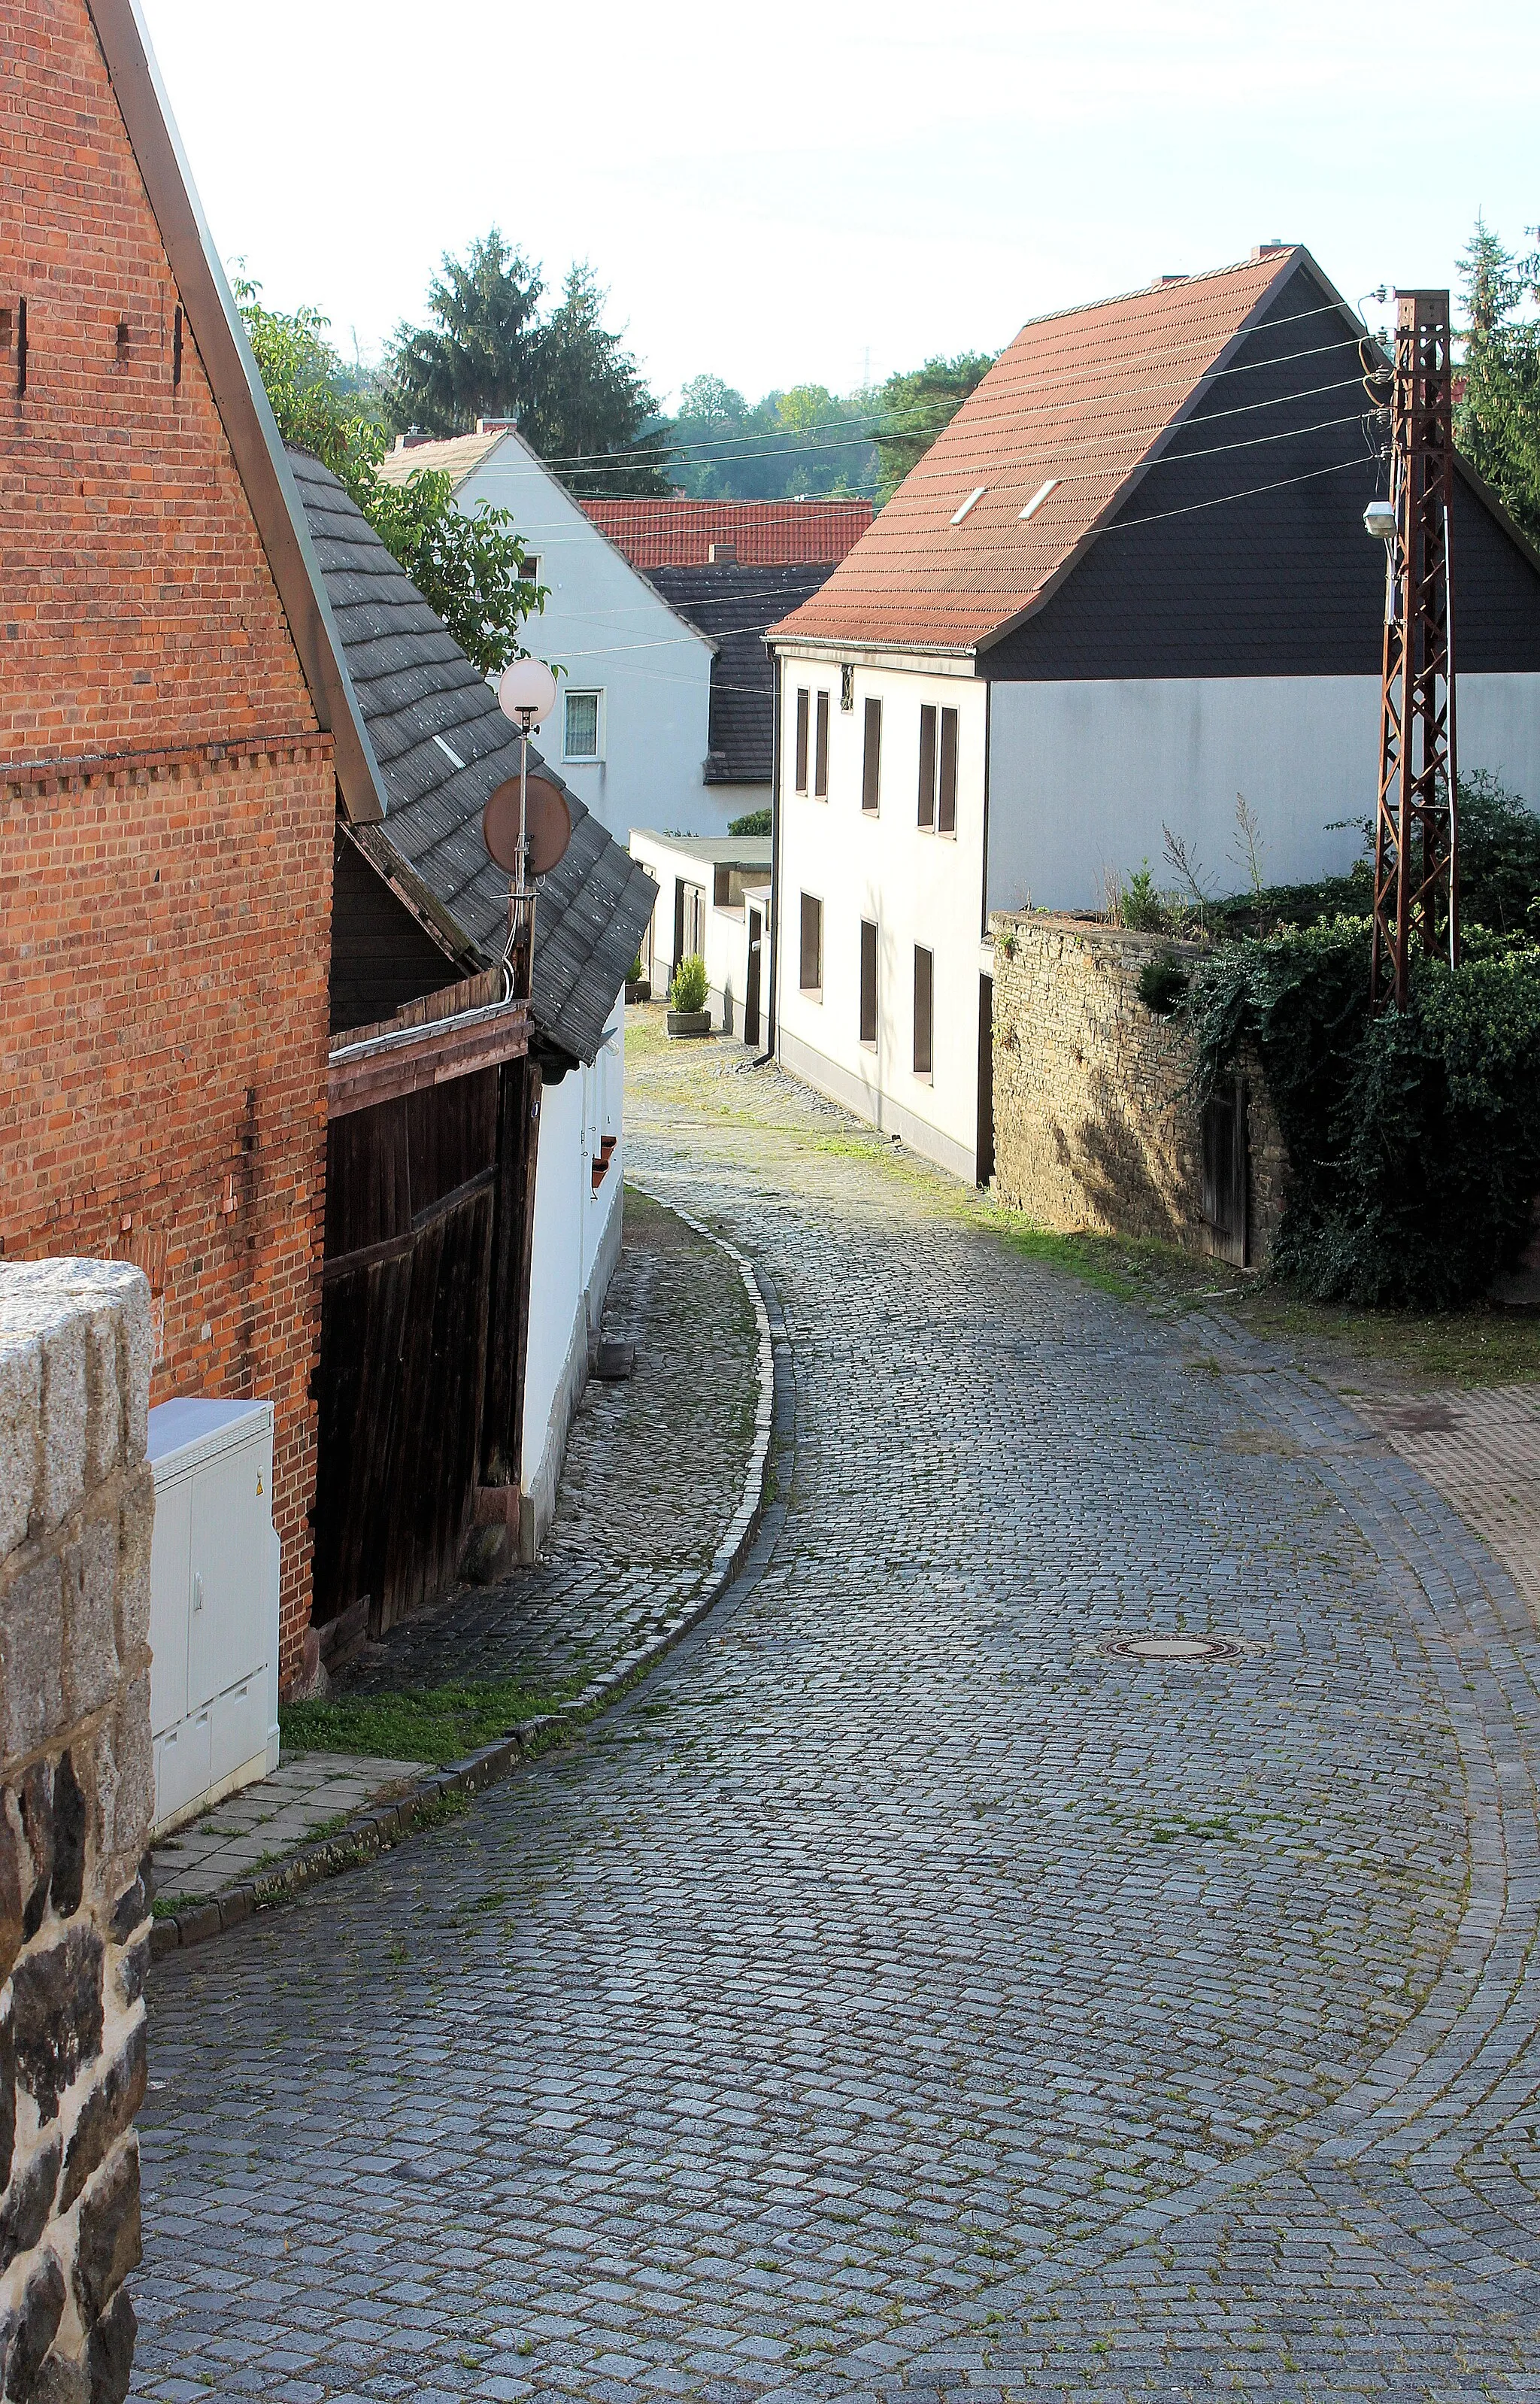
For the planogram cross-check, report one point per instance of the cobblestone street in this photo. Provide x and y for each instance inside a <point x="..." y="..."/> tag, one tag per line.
<point x="904" y="1993"/>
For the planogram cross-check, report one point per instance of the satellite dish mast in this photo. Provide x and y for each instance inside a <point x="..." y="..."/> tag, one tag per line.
<point x="526" y="692"/>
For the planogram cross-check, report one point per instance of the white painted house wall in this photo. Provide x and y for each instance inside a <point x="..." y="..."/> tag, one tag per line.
<point x="726" y="927"/>
<point x="576" y="1245"/>
<point x="1084" y="777"/>
<point x="917" y="887"/>
<point x="607" y="631"/>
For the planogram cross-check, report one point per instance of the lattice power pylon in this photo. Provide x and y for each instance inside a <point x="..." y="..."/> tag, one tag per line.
<point x="1416" y="834"/>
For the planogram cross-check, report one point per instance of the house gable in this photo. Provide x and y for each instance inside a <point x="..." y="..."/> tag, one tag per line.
<point x="1240" y="550"/>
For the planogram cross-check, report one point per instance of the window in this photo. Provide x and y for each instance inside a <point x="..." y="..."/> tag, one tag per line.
<point x="529" y="572"/>
<point x="927" y="764"/>
<point x="924" y="1030"/>
<point x="946" y="802"/>
<point x="869" y="984"/>
<point x="802" y="699"/>
<point x="871" y="758"/>
<point x="821" y="751"/>
<point x="812" y="977"/>
<point x="580" y="726"/>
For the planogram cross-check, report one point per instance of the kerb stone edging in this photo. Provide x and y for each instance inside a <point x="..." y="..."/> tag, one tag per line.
<point x="376" y="1832"/>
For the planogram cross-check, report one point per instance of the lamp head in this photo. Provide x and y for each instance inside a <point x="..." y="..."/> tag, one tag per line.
<point x="526" y="692"/>
<point x="1379" y="521"/>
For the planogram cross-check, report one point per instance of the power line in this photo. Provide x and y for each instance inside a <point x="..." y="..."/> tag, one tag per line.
<point x="649" y="450"/>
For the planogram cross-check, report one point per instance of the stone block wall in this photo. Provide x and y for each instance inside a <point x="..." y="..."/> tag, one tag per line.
<point x="77" y="1791"/>
<point x="1095" y="1124"/>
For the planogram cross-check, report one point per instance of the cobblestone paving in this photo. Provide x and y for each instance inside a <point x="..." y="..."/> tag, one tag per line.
<point x="1482" y="1451"/>
<point x="903" y="1996"/>
<point x="654" y="1471"/>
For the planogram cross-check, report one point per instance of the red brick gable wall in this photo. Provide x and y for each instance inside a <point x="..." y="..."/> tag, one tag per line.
<point x="167" y="803"/>
<point x="124" y="530"/>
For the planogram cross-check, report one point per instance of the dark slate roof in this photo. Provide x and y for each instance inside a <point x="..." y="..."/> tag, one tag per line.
<point x="732" y="606"/>
<point x="414" y="683"/>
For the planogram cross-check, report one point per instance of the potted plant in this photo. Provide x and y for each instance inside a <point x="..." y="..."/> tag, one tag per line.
<point x="638" y="987"/>
<point x="688" y="1011"/>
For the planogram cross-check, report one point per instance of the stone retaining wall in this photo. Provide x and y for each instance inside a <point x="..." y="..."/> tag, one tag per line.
<point x="76" y="1790"/>
<point x="1095" y="1124"/>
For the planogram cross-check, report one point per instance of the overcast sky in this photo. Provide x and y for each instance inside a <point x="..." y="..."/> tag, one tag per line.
<point x="826" y="194"/>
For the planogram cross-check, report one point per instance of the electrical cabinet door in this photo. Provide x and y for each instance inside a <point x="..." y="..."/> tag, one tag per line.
<point x="229" y="1559"/>
<point x="171" y="1601"/>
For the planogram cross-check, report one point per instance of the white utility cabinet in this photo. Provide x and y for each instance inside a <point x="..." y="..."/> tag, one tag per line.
<point x="213" y="1604"/>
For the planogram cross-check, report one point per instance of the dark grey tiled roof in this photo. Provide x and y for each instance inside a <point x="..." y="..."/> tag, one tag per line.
<point x="735" y="605"/>
<point x="415" y="684"/>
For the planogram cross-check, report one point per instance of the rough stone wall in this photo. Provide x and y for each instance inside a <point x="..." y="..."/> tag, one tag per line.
<point x="1095" y="1126"/>
<point x="167" y="800"/>
<point x="77" y="1788"/>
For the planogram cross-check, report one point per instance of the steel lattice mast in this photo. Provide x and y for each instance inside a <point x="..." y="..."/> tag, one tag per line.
<point x="1416" y="835"/>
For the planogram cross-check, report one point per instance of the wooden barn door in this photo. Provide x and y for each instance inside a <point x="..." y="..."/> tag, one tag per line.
<point x="410" y="1197"/>
<point x="1227" y="1173"/>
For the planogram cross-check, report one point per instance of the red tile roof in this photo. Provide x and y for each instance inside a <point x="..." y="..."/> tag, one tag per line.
<point x="1077" y="403"/>
<point x="766" y="534"/>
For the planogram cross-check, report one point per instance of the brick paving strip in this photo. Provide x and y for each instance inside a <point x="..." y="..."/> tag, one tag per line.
<point x="903" y="1995"/>
<point x="261" y="1848"/>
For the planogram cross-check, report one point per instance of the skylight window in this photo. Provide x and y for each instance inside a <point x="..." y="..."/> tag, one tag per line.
<point x="1041" y="494"/>
<point x="448" y="752"/>
<point x="974" y="497"/>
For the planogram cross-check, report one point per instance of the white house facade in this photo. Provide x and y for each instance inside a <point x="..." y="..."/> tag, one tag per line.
<point x="881" y="892"/>
<point x="631" y="730"/>
<point x="1134" y="569"/>
<point x="578" y="1178"/>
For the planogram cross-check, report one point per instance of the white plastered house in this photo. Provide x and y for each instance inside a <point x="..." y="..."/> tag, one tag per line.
<point x="1129" y="582"/>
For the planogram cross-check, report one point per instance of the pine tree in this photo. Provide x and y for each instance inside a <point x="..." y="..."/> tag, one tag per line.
<point x="1497" y="415"/>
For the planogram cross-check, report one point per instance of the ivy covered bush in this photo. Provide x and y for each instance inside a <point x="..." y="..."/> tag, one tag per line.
<point x="1413" y="1136"/>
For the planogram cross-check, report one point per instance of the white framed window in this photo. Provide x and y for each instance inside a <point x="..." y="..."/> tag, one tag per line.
<point x="582" y="725"/>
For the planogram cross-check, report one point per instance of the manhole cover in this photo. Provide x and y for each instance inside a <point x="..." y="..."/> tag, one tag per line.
<point x="1173" y="1648"/>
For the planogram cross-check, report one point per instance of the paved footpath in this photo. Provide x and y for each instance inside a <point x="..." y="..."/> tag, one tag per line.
<point x="905" y="1994"/>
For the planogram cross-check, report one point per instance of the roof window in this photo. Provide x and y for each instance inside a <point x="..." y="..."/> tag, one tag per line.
<point x="975" y="496"/>
<point x="450" y="753"/>
<point x="1051" y="484"/>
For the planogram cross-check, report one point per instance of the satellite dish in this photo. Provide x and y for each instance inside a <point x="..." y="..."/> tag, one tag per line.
<point x="547" y="820"/>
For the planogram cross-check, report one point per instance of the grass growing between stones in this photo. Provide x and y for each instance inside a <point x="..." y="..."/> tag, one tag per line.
<point x="434" y="1724"/>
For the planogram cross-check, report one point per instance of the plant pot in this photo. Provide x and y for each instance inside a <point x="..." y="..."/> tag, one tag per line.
<point x="640" y="991"/>
<point x="689" y="1022"/>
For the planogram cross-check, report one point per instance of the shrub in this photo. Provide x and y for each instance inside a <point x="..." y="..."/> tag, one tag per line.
<point x="1413" y="1136"/>
<point x="688" y="989"/>
<point x="1162" y="984"/>
<point x="752" y="822"/>
<point x="633" y="974"/>
<point x="1140" y="905"/>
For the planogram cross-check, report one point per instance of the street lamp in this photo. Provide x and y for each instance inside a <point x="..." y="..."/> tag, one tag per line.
<point x="526" y="692"/>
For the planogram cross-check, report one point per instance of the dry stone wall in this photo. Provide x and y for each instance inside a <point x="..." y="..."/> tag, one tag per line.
<point x="1095" y="1123"/>
<point x="76" y="1790"/>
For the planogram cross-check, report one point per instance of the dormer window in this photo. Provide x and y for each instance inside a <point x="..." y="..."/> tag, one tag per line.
<point x="974" y="497"/>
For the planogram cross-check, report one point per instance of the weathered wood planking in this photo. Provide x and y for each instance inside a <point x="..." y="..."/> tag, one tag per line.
<point x="407" y="1297"/>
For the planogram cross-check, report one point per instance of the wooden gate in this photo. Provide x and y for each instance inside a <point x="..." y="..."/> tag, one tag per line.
<point x="410" y="1199"/>
<point x="751" y="992"/>
<point x="1226" y="1172"/>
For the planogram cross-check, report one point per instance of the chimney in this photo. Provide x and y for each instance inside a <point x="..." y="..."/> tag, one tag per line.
<point x="723" y="554"/>
<point x="1266" y="249"/>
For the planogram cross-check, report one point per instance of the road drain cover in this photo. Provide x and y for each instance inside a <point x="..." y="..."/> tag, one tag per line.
<point x="1173" y="1648"/>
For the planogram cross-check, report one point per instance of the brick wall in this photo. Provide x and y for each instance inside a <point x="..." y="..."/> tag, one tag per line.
<point x="77" y="1502"/>
<point x="166" y="801"/>
<point x="1095" y="1124"/>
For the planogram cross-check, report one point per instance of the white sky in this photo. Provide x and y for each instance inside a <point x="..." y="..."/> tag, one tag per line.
<point x="823" y="195"/>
